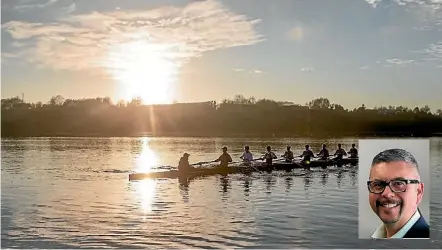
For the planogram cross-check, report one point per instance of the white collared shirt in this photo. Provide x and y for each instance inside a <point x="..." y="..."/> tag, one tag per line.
<point x="380" y="232"/>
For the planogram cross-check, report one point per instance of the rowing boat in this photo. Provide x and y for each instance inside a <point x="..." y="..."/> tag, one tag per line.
<point x="314" y="164"/>
<point x="196" y="172"/>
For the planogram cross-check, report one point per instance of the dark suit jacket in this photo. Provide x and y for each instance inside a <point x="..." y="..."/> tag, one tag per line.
<point x="420" y="229"/>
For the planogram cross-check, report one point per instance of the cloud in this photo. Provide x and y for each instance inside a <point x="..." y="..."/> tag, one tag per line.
<point x="33" y="4"/>
<point x="253" y="71"/>
<point x="10" y="55"/>
<point x="428" y="11"/>
<point x="434" y="52"/>
<point x="398" y="62"/>
<point x="7" y="57"/>
<point x="373" y="3"/>
<point x="83" y="41"/>
<point x="22" y="30"/>
<point x="238" y="70"/>
<point x="364" y="67"/>
<point x="69" y="9"/>
<point x="16" y="44"/>
<point x="433" y="4"/>
<point x="307" y="69"/>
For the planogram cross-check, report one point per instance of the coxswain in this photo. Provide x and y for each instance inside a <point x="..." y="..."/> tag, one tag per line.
<point x="288" y="155"/>
<point x="269" y="156"/>
<point x="340" y="152"/>
<point x="353" y="151"/>
<point x="324" y="154"/>
<point x="224" y="158"/>
<point x="183" y="165"/>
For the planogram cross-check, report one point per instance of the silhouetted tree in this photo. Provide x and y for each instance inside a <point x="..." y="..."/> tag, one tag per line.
<point x="425" y="109"/>
<point x="136" y="101"/>
<point x="267" y="102"/>
<point x="239" y="116"/>
<point x="361" y="108"/>
<point x="121" y="104"/>
<point x="13" y="102"/>
<point x="57" y="100"/>
<point x="320" y="103"/>
<point x="416" y="110"/>
<point x="337" y="107"/>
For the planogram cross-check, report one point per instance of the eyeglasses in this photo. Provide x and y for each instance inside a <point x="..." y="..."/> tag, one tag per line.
<point x="396" y="186"/>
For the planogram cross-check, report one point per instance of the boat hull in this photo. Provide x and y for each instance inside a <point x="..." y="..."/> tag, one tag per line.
<point x="197" y="172"/>
<point x="315" y="164"/>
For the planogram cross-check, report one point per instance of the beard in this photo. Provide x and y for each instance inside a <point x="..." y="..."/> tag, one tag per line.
<point x="389" y="211"/>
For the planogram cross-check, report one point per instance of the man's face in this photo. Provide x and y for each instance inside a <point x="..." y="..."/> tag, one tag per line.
<point x="395" y="207"/>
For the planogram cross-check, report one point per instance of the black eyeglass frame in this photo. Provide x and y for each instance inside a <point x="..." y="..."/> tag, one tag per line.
<point x="387" y="183"/>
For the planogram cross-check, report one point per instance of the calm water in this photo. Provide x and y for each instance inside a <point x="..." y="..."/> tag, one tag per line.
<point x="74" y="192"/>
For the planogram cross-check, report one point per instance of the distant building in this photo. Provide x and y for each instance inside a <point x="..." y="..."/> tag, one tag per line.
<point x="287" y="103"/>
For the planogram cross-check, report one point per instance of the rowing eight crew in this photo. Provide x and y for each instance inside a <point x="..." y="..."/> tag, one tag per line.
<point x="269" y="156"/>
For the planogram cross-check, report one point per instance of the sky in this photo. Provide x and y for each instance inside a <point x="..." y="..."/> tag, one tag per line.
<point x="353" y="52"/>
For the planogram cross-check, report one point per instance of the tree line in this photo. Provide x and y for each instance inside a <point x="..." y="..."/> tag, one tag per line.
<point x="238" y="116"/>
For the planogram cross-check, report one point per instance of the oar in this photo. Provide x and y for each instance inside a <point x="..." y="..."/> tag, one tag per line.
<point x="257" y="159"/>
<point x="202" y="162"/>
<point x="251" y="166"/>
<point x="294" y="158"/>
<point x="236" y="162"/>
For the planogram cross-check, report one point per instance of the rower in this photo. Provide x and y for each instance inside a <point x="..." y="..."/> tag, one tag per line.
<point x="183" y="165"/>
<point x="323" y="154"/>
<point x="247" y="156"/>
<point x="353" y="151"/>
<point x="269" y="156"/>
<point x="307" y="154"/>
<point x="340" y="152"/>
<point x="288" y="155"/>
<point x="224" y="158"/>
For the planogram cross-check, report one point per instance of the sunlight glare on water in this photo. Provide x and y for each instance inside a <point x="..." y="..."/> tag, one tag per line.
<point x="145" y="190"/>
<point x="147" y="159"/>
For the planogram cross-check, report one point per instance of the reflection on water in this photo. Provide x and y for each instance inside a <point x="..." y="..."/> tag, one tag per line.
<point x="288" y="184"/>
<point x="225" y="186"/>
<point x="270" y="182"/>
<point x="353" y="175"/>
<point x="146" y="158"/>
<point x="247" y="182"/>
<point x="324" y="178"/>
<point x="184" y="181"/>
<point x="339" y="177"/>
<point x="146" y="190"/>
<point x="74" y="192"/>
<point x="308" y="177"/>
<point x="184" y="191"/>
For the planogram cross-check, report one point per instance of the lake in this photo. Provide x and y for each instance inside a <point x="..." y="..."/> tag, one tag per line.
<point x="74" y="192"/>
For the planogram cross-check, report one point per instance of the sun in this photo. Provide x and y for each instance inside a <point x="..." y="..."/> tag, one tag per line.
<point x="143" y="70"/>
